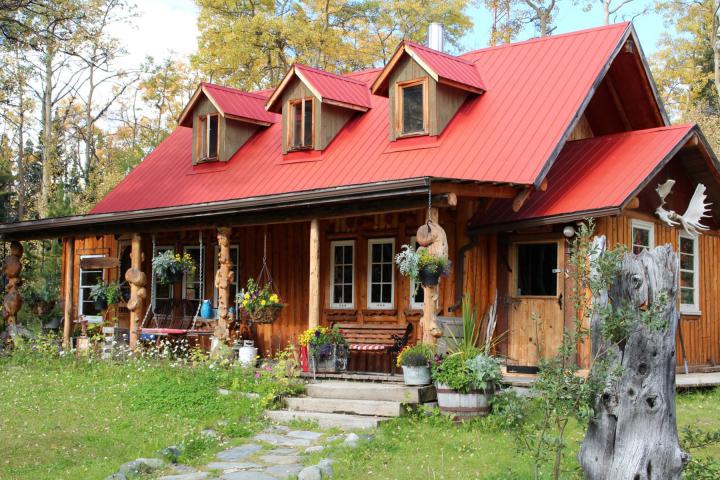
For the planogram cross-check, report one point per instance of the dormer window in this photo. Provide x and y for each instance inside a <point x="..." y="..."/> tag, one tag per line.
<point x="301" y="123"/>
<point x="412" y="110"/>
<point x="209" y="137"/>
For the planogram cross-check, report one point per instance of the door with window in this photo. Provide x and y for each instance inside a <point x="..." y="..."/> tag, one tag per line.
<point x="535" y="314"/>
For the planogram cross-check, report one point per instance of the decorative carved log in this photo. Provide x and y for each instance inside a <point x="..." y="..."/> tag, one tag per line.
<point x="137" y="280"/>
<point x="12" y="270"/>
<point x="433" y="237"/>
<point x="634" y="435"/>
<point x="223" y="278"/>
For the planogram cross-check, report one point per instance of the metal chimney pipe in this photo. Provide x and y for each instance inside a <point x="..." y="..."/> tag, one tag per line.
<point x="436" y="36"/>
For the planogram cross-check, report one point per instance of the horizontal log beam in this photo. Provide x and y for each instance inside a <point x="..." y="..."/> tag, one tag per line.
<point x="474" y="190"/>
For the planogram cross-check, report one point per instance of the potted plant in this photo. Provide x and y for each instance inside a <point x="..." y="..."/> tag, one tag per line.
<point x="327" y="349"/>
<point x="421" y="266"/>
<point x="468" y="376"/>
<point x="261" y="303"/>
<point x="104" y="294"/>
<point x="415" y="362"/>
<point x="170" y="267"/>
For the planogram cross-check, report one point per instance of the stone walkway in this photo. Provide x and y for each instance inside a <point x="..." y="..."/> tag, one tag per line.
<point x="276" y="453"/>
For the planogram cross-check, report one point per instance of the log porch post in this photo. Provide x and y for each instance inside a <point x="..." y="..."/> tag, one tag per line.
<point x="314" y="284"/>
<point x="136" y="278"/>
<point x="12" y="269"/>
<point x="430" y="331"/>
<point x="223" y="279"/>
<point x="69" y="261"/>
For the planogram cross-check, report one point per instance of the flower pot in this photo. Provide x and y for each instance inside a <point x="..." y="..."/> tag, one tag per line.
<point x="304" y="362"/>
<point x="416" y="375"/>
<point x="265" y="314"/>
<point x="461" y="406"/>
<point x="429" y="278"/>
<point x="175" y="277"/>
<point x="331" y="361"/>
<point x="100" y="304"/>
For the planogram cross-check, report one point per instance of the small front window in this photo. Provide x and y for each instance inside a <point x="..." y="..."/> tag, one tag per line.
<point x="342" y="280"/>
<point x="412" y="107"/>
<point x="643" y="236"/>
<point x="301" y="124"/>
<point x="209" y="137"/>
<point x="381" y="275"/>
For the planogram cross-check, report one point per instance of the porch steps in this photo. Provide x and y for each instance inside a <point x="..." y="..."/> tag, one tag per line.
<point x="353" y="404"/>
<point x="378" y="408"/>
<point x="326" y="420"/>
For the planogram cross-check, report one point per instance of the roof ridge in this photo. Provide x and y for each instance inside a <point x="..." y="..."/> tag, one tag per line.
<point x="642" y="131"/>
<point x="438" y="52"/>
<point x="234" y="90"/>
<point x="330" y="74"/>
<point x="546" y="38"/>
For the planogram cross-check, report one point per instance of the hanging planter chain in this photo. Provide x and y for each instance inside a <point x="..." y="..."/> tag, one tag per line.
<point x="266" y="314"/>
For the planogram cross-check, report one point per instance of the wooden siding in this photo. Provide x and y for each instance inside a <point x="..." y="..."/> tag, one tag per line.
<point x="701" y="333"/>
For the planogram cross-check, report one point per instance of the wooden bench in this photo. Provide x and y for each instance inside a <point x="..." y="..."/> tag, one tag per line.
<point x="385" y="338"/>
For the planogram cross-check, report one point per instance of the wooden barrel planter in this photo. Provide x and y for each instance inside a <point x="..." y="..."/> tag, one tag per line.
<point x="462" y="406"/>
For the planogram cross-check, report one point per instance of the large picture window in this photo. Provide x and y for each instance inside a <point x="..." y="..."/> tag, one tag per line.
<point x="342" y="277"/>
<point x="209" y="136"/>
<point x="381" y="274"/>
<point x="86" y="306"/>
<point x="643" y="235"/>
<point x="412" y="107"/>
<point x="689" y="275"/>
<point x="301" y="124"/>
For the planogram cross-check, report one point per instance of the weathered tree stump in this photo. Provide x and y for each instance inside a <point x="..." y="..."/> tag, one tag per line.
<point x="12" y="269"/>
<point x="634" y="434"/>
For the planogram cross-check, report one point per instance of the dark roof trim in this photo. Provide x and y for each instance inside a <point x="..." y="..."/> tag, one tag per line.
<point x="542" y="221"/>
<point x="55" y="227"/>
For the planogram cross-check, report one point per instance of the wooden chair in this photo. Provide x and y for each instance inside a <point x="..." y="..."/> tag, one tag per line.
<point x="383" y="338"/>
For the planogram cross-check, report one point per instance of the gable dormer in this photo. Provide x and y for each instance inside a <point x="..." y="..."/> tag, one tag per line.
<point x="223" y="119"/>
<point x="426" y="88"/>
<point x="315" y="106"/>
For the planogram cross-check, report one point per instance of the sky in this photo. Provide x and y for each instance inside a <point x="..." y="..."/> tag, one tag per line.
<point x="169" y="27"/>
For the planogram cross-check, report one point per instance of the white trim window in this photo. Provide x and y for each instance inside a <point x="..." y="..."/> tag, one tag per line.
<point x="381" y="274"/>
<point x="192" y="283"/>
<point x="88" y="279"/>
<point x="417" y="293"/>
<point x="689" y="274"/>
<point x="342" y="274"/>
<point x="235" y="257"/>
<point x="643" y="235"/>
<point x="162" y="292"/>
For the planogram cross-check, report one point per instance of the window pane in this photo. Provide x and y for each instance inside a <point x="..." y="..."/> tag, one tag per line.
<point x="338" y="255"/>
<point x="296" y="116"/>
<point x="376" y="275"/>
<point x="641" y="237"/>
<point x="419" y="296"/>
<point x="387" y="252"/>
<point x="686" y="279"/>
<point x="412" y="106"/>
<point x="386" y="293"/>
<point x="535" y="275"/>
<point x="687" y="296"/>
<point x="213" y="136"/>
<point x="387" y="272"/>
<point x="347" y="274"/>
<point x="376" y="253"/>
<point x="347" y="294"/>
<point x="348" y="254"/>
<point x="88" y="306"/>
<point x="307" y="138"/>
<point x="337" y="294"/>
<point x="375" y="293"/>
<point x="687" y="245"/>
<point x="686" y="262"/>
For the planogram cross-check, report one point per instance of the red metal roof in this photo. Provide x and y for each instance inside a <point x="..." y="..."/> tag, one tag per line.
<point x="327" y="86"/>
<point x="595" y="174"/>
<point x="233" y="103"/>
<point x="510" y="134"/>
<point x="448" y="67"/>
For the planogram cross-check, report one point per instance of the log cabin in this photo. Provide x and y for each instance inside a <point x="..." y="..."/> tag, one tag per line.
<point x="325" y="177"/>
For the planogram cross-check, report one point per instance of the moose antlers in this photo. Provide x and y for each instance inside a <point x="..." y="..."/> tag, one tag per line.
<point x="697" y="209"/>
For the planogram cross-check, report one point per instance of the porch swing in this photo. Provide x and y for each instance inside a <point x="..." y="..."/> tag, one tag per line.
<point x="168" y="323"/>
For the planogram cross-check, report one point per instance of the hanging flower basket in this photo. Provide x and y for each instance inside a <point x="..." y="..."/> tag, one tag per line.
<point x="170" y="267"/>
<point x="261" y="304"/>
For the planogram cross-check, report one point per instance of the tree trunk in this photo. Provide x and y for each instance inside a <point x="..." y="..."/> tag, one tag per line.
<point x="47" y="164"/>
<point x="21" y="162"/>
<point x="634" y="434"/>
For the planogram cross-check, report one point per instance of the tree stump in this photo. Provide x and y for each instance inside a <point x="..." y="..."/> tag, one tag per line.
<point x="634" y="433"/>
<point x="12" y="269"/>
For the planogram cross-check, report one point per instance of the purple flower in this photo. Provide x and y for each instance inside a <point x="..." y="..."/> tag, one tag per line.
<point x="257" y="374"/>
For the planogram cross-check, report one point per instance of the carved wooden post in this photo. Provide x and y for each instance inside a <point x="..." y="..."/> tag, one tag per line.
<point x="433" y="237"/>
<point x="12" y="269"/>
<point x="223" y="278"/>
<point x="138" y="293"/>
<point x="314" y="285"/>
<point x="634" y="435"/>
<point x="69" y="261"/>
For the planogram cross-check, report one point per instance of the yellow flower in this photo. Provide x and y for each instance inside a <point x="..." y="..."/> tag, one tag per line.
<point x="262" y="302"/>
<point x="245" y="302"/>
<point x="247" y="296"/>
<point x="274" y="298"/>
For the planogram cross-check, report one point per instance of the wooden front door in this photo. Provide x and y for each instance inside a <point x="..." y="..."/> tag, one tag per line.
<point x="535" y="313"/>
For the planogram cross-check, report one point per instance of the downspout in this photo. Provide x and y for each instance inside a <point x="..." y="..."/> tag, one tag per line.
<point x="460" y="272"/>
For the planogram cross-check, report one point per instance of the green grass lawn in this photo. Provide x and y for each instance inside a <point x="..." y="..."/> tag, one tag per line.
<point x="61" y="418"/>
<point x="432" y="448"/>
